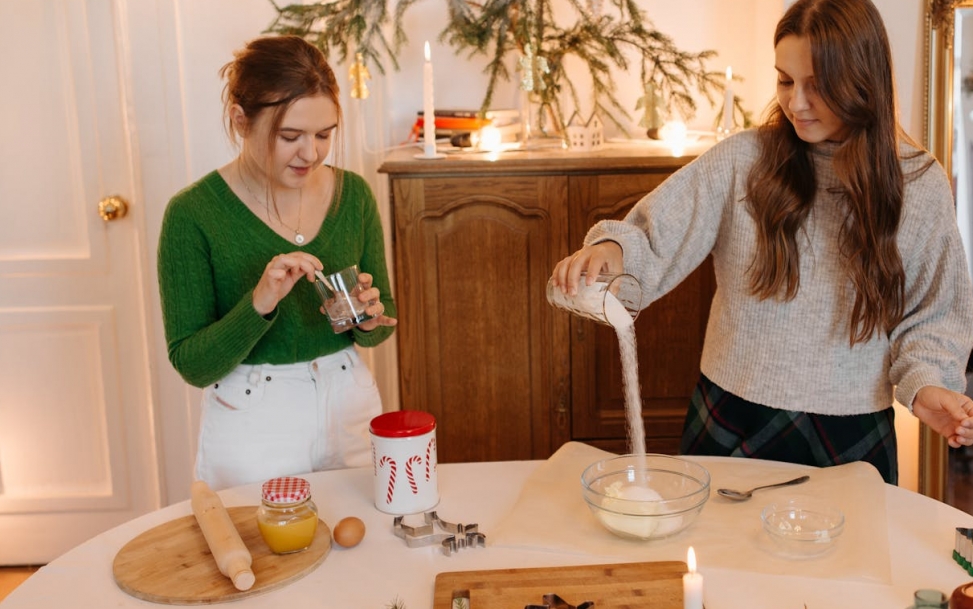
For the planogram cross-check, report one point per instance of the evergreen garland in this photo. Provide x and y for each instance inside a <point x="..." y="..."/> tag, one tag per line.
<point x="346" y="27"/>
<point x="526" y="28"/>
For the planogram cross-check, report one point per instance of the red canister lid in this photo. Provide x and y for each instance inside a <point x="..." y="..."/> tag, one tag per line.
<point x="287" y="489"/>
<point x="403" y="424"/>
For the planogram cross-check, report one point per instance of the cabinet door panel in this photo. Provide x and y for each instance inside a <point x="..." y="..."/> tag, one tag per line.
<point x="669" y="333"/>
<point x="472" y="260"/>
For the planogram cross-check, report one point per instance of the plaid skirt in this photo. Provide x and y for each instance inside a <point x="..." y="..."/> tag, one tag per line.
<point x="721" y="424"/>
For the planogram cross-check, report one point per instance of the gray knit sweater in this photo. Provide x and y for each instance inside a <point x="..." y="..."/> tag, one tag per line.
<point x="795" y="355"/>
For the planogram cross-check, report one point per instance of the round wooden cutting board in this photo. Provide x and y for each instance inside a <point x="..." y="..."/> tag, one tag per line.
<point x="172" y="564"/>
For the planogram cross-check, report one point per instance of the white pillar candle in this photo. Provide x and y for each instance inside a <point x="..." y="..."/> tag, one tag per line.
<point x="728" y="102"/>
<point x="428" y="108"/>
<point x="692" y="584"/>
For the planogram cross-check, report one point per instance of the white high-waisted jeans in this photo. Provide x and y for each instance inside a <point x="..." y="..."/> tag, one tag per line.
<point x="265" y="421"/>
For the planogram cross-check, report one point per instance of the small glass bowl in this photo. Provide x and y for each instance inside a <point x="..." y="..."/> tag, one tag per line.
<point x="645" y="496"/>
<point x="803" y="527"/>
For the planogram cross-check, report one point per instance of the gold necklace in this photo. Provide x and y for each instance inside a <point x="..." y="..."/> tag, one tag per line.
<point x="298" y="236"/>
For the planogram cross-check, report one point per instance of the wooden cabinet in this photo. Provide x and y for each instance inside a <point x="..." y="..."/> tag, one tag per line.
<point x="506" y="375"/>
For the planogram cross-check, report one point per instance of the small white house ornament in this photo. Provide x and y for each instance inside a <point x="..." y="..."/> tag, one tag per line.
<point x="585" y="136"/>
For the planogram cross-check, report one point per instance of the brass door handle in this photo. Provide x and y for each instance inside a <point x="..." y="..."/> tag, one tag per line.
<point x="112" y="208"/>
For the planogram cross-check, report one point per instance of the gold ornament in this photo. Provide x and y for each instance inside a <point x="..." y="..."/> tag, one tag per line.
<point x="533" y="68"/>
<point x="359" y="75"/>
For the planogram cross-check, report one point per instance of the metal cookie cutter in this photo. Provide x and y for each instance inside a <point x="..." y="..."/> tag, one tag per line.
<point x="553" y="601"/>
<point x="456" y="537"/>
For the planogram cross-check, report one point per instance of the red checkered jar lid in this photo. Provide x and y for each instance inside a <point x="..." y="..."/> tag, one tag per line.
<point x="287" y="489"/>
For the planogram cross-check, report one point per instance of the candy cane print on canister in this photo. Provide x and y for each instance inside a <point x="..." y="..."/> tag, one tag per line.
<point x="391" y="483"/>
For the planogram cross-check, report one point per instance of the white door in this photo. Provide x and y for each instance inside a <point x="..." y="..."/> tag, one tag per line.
<point x="77" y="449"/>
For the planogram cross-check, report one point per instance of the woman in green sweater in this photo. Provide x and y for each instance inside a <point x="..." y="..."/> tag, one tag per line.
<point x="282" y="392"/>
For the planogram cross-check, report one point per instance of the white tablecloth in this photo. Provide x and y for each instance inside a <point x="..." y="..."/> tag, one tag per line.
<point x="920" y="534"/>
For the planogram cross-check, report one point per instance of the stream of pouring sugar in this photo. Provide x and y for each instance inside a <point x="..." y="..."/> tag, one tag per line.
<point x="637" y="496"/>
<point x="620" y="319"/>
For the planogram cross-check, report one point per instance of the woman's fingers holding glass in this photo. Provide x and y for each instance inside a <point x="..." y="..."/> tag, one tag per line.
<point x="368" y="295"/>
<point x="591" y="260"/>
<point x="606" y="256"/>
<point x="375" y="308"/>
<point x="365" y="280"/>
<point x="567" y="272"/>
<point x="379" y="319"/>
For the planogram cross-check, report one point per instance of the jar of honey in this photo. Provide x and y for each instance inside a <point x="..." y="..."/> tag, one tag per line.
<point x="287" y="517"/>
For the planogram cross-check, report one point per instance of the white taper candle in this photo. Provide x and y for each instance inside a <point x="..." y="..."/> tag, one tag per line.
<point x="728" y="102"/>
<point x="428" y="107"/>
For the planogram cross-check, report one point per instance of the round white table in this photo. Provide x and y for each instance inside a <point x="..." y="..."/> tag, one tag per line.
<point x="381" y="569"/>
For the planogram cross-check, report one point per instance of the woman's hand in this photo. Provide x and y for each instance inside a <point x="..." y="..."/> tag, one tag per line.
<point x="601" y="257"/>
<point x="370" y="296"/>
<point x="280" y="275"/>
<point x="948" y="413"/>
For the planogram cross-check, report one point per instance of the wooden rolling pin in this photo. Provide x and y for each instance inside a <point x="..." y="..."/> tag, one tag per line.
<point x="230" y="553"/>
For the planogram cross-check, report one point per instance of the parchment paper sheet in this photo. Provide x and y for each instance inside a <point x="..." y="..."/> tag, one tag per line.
<point x="551" y="514"/>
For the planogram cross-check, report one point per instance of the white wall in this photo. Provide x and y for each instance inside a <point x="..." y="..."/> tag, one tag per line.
<point x="739" y="30"/>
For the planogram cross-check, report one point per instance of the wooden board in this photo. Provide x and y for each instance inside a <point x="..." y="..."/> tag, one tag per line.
<point x="172" y="564"/>
<point x="614" y="586"/>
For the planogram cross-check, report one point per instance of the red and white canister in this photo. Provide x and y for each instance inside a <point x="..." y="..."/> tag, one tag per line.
<point x="404" y="462"/>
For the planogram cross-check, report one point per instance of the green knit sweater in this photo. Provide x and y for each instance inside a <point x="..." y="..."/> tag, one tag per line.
<point x="212" y="252"/>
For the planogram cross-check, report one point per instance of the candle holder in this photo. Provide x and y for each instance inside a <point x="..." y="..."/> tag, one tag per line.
<point x="430" y="156"/>
<point x="725" y="132"/>
<point x="962" y="597"/>
<point x="929" y="599"/>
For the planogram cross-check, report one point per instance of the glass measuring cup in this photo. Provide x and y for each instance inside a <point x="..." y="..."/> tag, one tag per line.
<point x="599" y="301"/>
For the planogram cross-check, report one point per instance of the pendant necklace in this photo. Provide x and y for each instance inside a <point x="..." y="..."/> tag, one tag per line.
<point x="298" y="236"/>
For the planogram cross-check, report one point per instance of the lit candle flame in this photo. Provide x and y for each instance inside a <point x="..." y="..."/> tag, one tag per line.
<point x="691" y="559"/>
<point x="729" y="71"/>
<point x="429" y="56"/>
<point x="490" y="138"/>
<point x="674" y="135"/>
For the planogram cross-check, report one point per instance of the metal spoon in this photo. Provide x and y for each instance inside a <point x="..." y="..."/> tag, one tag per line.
<point x="744" y="495"/>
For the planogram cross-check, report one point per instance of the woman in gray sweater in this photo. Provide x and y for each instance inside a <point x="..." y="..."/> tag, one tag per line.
<point x="839" y="267"/>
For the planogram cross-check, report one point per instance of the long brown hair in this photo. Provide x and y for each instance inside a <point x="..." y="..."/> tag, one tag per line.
<point x="268" y="75"/>
<point x="852" y="64"/>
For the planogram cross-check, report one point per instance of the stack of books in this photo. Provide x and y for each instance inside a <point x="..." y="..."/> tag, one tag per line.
<point x="459" y="125"/>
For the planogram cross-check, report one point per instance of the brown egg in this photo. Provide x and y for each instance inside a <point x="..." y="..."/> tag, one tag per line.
<point x="349" y="532"/>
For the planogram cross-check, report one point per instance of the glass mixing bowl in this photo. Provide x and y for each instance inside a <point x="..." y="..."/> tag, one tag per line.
<point x="645" y="496"/>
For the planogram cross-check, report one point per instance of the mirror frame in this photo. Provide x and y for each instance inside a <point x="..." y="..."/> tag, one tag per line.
<point x="938" y="132"/>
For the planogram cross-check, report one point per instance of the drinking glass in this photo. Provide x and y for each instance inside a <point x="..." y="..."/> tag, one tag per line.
<point x="339" y="292"/>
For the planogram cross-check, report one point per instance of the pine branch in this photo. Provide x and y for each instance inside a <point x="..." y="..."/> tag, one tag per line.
<point x="601" y="43"/>
<point x="501" y="29"/>
<point x="345" y="27"/>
